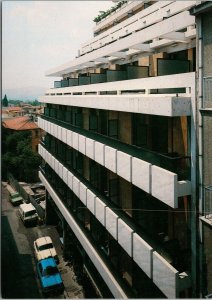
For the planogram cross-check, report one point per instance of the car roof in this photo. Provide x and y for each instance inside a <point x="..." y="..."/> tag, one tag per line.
<point x="27" y="207"/>
<point x="47" y="262"/>
<point x="43" y="240"/>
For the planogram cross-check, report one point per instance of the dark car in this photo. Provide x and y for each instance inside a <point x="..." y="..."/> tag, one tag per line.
<point x="16" y="199"/>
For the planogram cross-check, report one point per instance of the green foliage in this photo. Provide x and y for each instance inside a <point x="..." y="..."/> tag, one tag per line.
<point x="104" y="14"/>
<point x="5" y="101"/>
<point x="15" y="102"/>
<point x="34" y="103"/>
<point x="18" y="157"/>
<point x="18" y="102"/>
<point x="12" y="140"/>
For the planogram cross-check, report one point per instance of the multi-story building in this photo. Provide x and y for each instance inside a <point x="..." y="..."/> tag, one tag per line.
<point x="121" y="152"/>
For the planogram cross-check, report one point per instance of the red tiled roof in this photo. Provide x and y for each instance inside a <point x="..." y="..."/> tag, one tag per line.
<point x="14" y="108"/>
<point x="20" y="123"/>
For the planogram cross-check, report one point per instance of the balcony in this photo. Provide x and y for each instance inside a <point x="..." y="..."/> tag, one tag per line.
<point x="134" y="95"/>
<point x="143" y="168"/>
<point x="171" y="26"/>
<point x="100" y="265"/>
<point x="150" y="261"/>
<point x="147" y="17"/>
<point x="131" y="72"/>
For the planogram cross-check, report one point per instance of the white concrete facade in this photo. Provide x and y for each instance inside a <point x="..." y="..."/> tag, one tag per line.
<point x="132" y="34"/>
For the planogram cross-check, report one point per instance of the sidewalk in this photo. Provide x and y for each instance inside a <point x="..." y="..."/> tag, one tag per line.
<point x="72" y="289"/>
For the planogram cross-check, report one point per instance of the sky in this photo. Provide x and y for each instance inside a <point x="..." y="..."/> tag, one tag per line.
<point x="40" y="35"/>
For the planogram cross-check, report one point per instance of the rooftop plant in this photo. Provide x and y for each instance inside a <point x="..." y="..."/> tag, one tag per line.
<point x="104" y="14"/>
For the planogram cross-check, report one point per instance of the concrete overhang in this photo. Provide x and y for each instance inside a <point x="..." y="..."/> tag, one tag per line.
<point x="203" y="8"/>
<point x="168" y="27"/>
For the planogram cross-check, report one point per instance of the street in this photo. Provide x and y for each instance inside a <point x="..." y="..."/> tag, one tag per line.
<point x="18" y="276"/>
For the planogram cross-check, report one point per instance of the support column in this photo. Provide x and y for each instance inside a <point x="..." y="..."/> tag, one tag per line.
<point x="51" y="216"/>
<point x="66" y="241"/>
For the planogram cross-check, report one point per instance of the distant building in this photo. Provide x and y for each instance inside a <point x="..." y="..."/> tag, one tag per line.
<point x="24" y="109"/>
<point x="24" y="123"/>
<point x="29" y="109"/>
<point x="11" y="112"/>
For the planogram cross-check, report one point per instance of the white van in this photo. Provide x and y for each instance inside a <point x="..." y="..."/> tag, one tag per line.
<point x="28" y="213"/>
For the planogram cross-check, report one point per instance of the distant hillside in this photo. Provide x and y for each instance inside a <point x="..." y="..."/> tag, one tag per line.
<point x="27" y="93"/>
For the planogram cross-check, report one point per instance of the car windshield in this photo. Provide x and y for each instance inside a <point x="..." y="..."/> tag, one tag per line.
<point x="30" y="213"/>
<point x="50" y="271"/>
<point x="46" y="246"/>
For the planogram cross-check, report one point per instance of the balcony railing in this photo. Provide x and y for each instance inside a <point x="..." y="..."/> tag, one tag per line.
<point x="208" y="202"/>
<point x="140" y="84"/>
<point x="131" y="72"/>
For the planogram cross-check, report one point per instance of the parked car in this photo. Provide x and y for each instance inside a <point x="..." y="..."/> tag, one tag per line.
<point x="28" y="214"/>
<point x="16" y="199"/>
<point x="44" y="248"/>
<point x="49" y="276"/>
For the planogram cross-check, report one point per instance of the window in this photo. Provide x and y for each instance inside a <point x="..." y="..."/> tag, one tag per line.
<point x="77" y="116"/>
<point x="30" y="213"/>
<point x="113" y="128"/>
<point x="45" y="247"/>
<point x="69" y="156"/>
<point x="77" y="161"/>
<point x="94" y="173"/>
<point x="68" y="116"/>
<point x="50" y="271"/>
<point x="114" y="190"/>
<point x="93" y="122"/>
<point x="139" y="130"/>
<point x="60" y="149"/>
<point x="46" y="111"/>
<point x="53" y="112"/>
<point x="60" y="115"/>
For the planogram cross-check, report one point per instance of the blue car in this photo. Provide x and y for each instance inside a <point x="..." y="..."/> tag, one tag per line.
<point x="49" y="276"/>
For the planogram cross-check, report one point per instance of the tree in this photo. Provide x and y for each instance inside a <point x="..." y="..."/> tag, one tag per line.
<point x="15" y="102"/>
<point x="18" y="157"/>
<point x="35" y="103"/>
<point x="5" y="101"/>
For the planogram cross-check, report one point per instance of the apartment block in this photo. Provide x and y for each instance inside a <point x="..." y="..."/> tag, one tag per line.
<point x="121" y="153"/>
